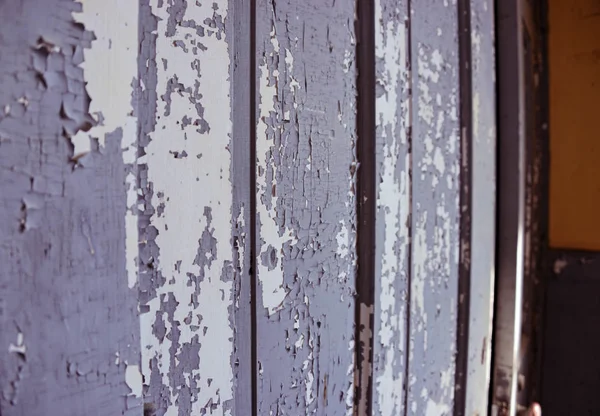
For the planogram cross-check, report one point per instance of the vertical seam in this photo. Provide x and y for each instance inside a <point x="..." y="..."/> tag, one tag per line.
<point x="253" y="211"/>
<point x="366" y="201"/>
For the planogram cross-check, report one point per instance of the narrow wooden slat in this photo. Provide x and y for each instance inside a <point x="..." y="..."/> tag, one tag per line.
<point x="194" y="249"/>
<point x="305" y="242"/>
<point x="436" y="153"/>
<point x="483" y="208"/>
<point x="239" y="28"/>
<point x="393" y="181"/>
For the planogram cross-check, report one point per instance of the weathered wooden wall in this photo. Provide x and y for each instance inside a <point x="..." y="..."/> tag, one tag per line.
<point x="246" y="207"/>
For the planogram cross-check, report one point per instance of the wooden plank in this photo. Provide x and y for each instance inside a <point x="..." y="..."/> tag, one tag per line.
<point x="240" y="26"/>
<point x="194" y="253"/>
<point x="68" y="303"/>
<point x="483" y="206"/>
<point x="390" y="349"/>
<point x="305" y="167"/>
<point x="436" y="152"/>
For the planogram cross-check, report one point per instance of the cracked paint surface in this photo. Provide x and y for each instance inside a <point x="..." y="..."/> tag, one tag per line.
<point x="483" y="206"/>
<point x="305" y="207"/>
<point x="111" y="67"/>
<point x="66" y="306"/>
<point x="393" y="208"/>
<point x="187" y="289"/>
<point x="435" y="209"/>
<point x="418" y="217"/>
<point x="123" y="215"/>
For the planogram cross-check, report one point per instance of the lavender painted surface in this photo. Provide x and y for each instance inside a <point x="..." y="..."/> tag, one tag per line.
<point x="483" y="200"/>
<point x="184" y="159"/>
<point x="68" y="310"/>
<point x="195" y="245"/>
<point x="436" y="150"/>
<point x="426" y="171"/>
<point x="393" y="227"/>
<point x="305" y="166"/>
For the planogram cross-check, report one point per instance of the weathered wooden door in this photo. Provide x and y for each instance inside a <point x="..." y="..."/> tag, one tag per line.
<point x="246" y="207"/>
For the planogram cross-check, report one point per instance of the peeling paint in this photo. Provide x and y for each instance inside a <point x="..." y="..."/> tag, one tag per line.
<point x="305" y="171"/>
<point x="436" y="154"/>
<point x="393" y="206"/>
<point x="111" y="67"/>
<point x="270" y="271"/>
<point x="63" y="239"/>
<point x="121" y="193"/>
<point x="482" y="246"/>
<point x="187" y="328"/>
<point x="19" y="347"/>
<point x="133" y="378"/>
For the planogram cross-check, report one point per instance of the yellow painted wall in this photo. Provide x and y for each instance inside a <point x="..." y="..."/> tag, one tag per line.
<point x="574" y="65"/>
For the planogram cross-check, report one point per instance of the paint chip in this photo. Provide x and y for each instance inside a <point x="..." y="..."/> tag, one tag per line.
<point x="133" y="378"/>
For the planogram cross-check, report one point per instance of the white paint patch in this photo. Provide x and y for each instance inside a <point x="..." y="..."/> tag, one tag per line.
<point x="343" y="240"/>
<point x="19" y="347"/>
<point x="187" y="186"/>
<point x="110" y="68"/>
<point x="420" y="255"/>
<point x="300" y="342"/>
<point x="241" y="224"/>
<point x="307" y="366"/>
<point x="273" y="236"/>
<point x="436" y="409"/>
<point x="349" y="372"/>
<point x="133" y="378"/>
<point x="345" y="250"/>
<point x="110" y="65"/>
<point x="393" y="200"/>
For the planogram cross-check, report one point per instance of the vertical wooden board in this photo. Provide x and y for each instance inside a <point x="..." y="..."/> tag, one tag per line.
<point x="192" y="253"/>
<point x="483" y="206"/>
<point x="392" y="267"/>
<point x="68" y="304"/>
<point x="305" y="206"/>
<point x="436" y="152"/>
<point x="239" y="25"/>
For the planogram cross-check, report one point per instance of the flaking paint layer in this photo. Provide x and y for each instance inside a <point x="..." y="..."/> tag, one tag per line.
<point x="187" y="328"/>
<point x="393" y="207"/>
<point x="305" y="167"/>
<point x="436" y="154"/>
<point x="65" y="297"/>
<point x="483" y="245"/>
<point x="111" y="68"/>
